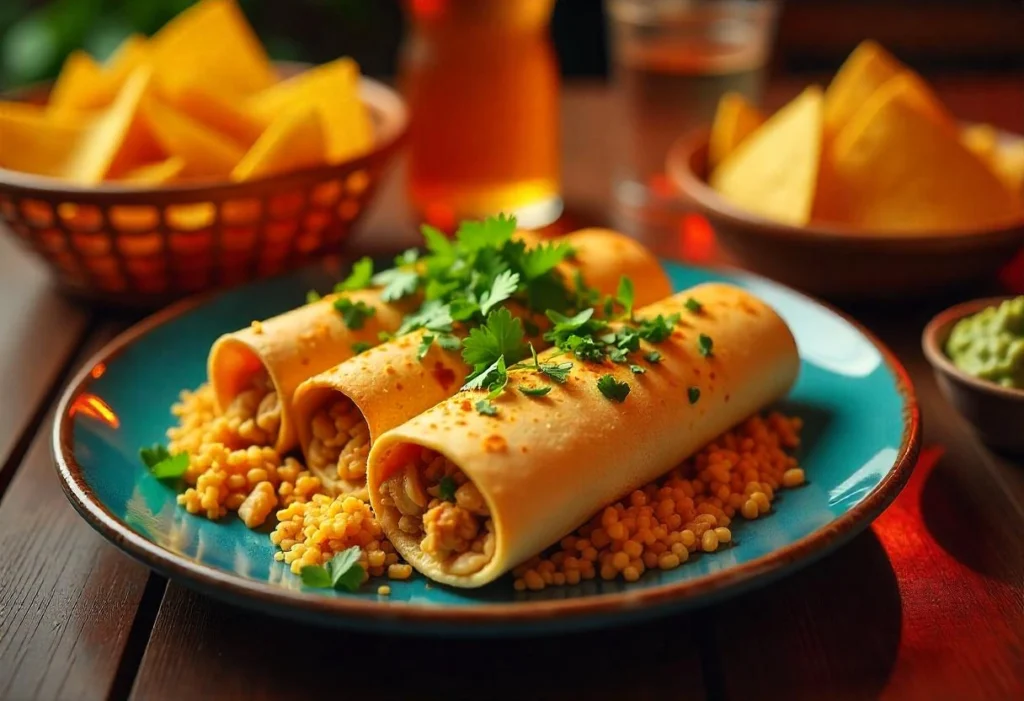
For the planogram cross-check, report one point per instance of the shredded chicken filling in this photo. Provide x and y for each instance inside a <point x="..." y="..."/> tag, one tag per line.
<point x="341" y="439"/>
<point x="255" y="414"/>
<point x="440" y="505"/>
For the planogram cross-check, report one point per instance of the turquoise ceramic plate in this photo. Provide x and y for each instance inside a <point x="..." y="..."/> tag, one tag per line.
<point x="860" y="440"/>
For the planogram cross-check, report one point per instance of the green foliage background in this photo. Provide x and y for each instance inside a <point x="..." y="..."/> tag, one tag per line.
<point x="36" y="36"/>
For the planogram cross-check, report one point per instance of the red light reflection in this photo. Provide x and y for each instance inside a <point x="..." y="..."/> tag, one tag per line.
<point x="92" y="406"/>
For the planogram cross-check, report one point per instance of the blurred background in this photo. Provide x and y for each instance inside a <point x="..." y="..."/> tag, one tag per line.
<point x="813" y="35"/>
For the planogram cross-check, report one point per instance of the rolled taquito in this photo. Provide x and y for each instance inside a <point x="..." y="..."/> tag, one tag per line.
<point x="466" y="495"/>
<point x="339" y="412"/>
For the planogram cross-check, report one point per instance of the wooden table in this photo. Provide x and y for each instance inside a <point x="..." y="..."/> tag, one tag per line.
<point x="927" y="604"/>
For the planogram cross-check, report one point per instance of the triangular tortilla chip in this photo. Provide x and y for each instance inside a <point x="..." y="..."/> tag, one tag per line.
<point x="156" y="173"/>
<point x="982" y="139"/>
<point x="333" y="89"/>
<point x="219" y="114"/>
<point x="773" y="171"/>
<point x="1005" y="157"/>
<point x="33" y="141"/>
<point x="84" y="85"/>
<point x="295" y="140"/>
<point x="206" y="152"/>
<point x="901" y="171"/>
<point x="735" y="120"/>
<point x="129" y="55"/>
<point x="116" y="141"/>
<point x="211" y="45"/>
<point x="864" y="72"/>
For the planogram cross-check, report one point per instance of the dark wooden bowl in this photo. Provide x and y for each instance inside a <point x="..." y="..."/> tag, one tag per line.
<point x="995" y="412"/>
<point x="835" y="261"/>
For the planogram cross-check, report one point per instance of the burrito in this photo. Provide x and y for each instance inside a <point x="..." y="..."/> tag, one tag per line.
<point x="340" y="412"/>
<point x="472" y="487"/>
<point x="256" y="370"/>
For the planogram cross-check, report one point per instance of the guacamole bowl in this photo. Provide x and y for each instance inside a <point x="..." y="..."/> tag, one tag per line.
<point x="995" y="412"/>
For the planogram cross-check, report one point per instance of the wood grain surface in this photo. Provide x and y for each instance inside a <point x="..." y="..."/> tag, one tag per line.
<point x="929" y="604"/>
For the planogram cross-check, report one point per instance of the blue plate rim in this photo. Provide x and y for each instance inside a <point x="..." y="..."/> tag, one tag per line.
<point x="718" y="584"/>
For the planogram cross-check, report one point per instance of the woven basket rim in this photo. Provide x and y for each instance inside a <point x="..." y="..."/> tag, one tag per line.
<point x="391" y="119"/>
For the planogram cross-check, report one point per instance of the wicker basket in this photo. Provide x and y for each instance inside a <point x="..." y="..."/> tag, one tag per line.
<point x="145" y="246"/>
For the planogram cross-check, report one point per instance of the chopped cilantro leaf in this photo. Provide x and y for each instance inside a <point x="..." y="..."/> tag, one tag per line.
<point x="535" y="391"/>
<point x="548" y="292"/>
<point x="361" y="346"/>
<point x="433" y="315"/>
<point x="385" y="336"/>
<point x="617" y="355"/>
<point x="533" y="354"/>
<point x="437" y="243"/>
<point x="609" y="306"/>
<point x="581" y="325"/>
<point x="162" y="464"/>
<point x="449" y="342"/>
<point x="407" y="257"/>
<point x="694" y="306"/>
<point x="500" y="336"/>
<point x="424" y="348"/>
<point x="446" y="488"/>
<point x="492" y="232"/>
<point x="342" y="571"/>
<point x="625" y="295"/>
<point x="637" y="369"/>
<point x="693" y="394"/>
<point x="585" y="348"/>
<point x="559" y="372"/>
<point x="313" y="296"/>
<point x="493" y="378"/>
<point x="354" y="314"/>
<point x="497" y="386"/>
<point x="653" y="357"/>
<point x="397" y="283"/>
<point x="657" y="329"/>
<point x="612" y="388"/>
<point x="585" y="296"/>
<point x="627" y="339"/>
<point x="503" y="287"/>
<point x="359" y="278"/>
<point x="543" y="258"/>
<point x="704" y="344"/>
<point x="486" y="407"/>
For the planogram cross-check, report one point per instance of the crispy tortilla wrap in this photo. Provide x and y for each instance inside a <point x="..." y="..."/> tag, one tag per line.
<point x="526" y="477"/>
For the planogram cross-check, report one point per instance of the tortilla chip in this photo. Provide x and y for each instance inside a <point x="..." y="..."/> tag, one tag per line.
<point x="205" y="151"/>
<point x="333" y="89"/>
<point x="156" y="173"/>
<point x="211" y="46"/>
<point x="295" y="140"/>
<point x="1009" y="165"/>
<point x="217" y="113"/>
<point x="129" y="55"/>
<point x="34" y="141"/>
<point x="773" y="172"/>
<point x="864" y="72"/>
<point x="116" y="141"/>
<point x="735" y="120"/>
<point x="81" y="86"/>
<point x="902" y="172"/>
<point x="982" y="139"/>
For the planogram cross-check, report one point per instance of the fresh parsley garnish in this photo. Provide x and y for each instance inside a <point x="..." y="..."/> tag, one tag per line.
<point x="535" y="391"/>
<point x="407" y="257"/>
<point x="565" y="327"/>
<point x="637" y="369"/>
<point x="424" y="348"/>
<point x="503" y="287"/>
<point x="397" y="283"/>
<point x="446" y="488"/>
<point x="359" y="278"/>
<point x="433" y="315"/>
<point x="653" y="357"/>
<point x="657" y="329"/>
<point x="704" y="344"/>
<point x="559" y="372"/>
<point x="361" y="346"/>
<point x="501" y="336"/>
<point x="449" y="342"/>
<point x="585" y="348"/>
<point x="493" y="378"/>
<point x="625" y="296"/>
<point x="617" y="355"/>
<point x="693" y="305"/>
<point x="354" y="314"/>
<point x="542" y="259"/>
<point x="612" y="388"/>
<point x="693" y="394"/>
<point x="486" y="407"/>
<point x="342" y="571"/>
<point x="162" y="464"/>
<point x="313" y="296"/>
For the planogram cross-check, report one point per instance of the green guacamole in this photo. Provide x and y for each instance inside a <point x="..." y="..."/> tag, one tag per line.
<point x="990" y="344"/>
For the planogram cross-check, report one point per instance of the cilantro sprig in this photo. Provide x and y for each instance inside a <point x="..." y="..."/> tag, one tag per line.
<point x="341" y="572"/>
<point x="354" y="314"/>
<point x="612" y="388"/>
<point x="162" y="464"/>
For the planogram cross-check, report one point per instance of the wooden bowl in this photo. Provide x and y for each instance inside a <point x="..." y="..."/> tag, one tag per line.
<point x="834" y="261"/>
<point x="995" y="412"/>
<point x="145" y="246"/>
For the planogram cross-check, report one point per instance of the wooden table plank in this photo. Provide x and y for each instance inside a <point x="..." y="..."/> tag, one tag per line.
<point x="928" y="605"/>
<point x="39" y="331"/>
<point x="198" y="642"/>
<point x="68" y="599"/>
